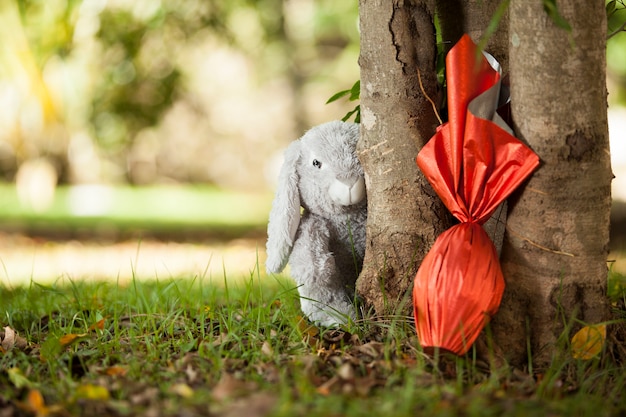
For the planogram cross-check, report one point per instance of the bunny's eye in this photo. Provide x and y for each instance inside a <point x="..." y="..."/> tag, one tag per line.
<point x="317" y="164"/>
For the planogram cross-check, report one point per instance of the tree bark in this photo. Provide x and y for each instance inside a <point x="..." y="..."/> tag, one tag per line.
<point x="457" y="17"/>
<point x="555" y="249"/>
<point x="404" y="214"/>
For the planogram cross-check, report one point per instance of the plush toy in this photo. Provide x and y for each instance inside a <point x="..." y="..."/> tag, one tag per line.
<point x="317" y="221"/>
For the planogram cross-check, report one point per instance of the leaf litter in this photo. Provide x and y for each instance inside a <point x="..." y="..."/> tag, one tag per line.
<point x="220" y="361"/>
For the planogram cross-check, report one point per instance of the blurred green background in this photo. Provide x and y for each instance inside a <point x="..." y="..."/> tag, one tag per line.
<point x="177" y="110"/>
<point x="193" y="99"/>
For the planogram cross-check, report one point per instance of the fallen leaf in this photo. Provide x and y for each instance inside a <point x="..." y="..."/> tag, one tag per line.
<point x="92" y="392"/>
<point x="182" y="390"/>
<point x="229" y="387"/>
<point x="115" y="371"/>
<point x="18" y="379"/>
<point x="259" y="404"/>
<point x="99" y="325"/>
<point x="68" y="339"/>
<point x="364" y="386"/>
<point x="9" y="339"/>
<point x="191" y="373"/>
<point x="145" y="397"/>
<point x="36" y="402"/>
<point x="36" y="405"/>
<point x="327" y="387"/>
<point x="306" y="328"/>
<point x="267" y="349"/>
<point x="372" y="349"/>
<point x="346" y="372"/>
<point x="587" y="343"/>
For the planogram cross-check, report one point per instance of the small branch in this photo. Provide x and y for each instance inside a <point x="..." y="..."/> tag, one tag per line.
<point x="534" y="190"/>
<point x="618" y="30"/>
<point x="432" y="103"/>
<point x="537" y="245"/>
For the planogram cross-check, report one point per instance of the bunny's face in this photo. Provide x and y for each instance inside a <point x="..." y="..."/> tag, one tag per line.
<point x="331" y="177"/>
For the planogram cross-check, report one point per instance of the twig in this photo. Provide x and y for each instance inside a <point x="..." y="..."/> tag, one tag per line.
<point x="618" y="30"/>
<point x="432" y="103"/>
<point x="537" y="245"/>
<point x="535" y="190"/>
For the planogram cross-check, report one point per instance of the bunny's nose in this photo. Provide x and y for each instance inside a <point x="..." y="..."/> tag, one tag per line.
<point x="348" y="191"/>
<point x="349" y="181"/>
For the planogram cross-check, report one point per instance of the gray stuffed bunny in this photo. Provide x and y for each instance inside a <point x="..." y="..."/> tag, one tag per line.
<point x="324" y="242"/>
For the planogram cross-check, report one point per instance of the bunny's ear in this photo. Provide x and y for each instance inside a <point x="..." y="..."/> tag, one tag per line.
<point x="285" y="213"/>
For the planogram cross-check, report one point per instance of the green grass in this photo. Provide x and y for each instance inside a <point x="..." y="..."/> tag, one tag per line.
<point x="155" y="209"/>
<point x="193" y="347"/>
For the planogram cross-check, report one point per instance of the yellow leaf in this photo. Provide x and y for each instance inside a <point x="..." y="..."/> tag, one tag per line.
<point x="68" y="339"/>
<point x="18" y="379"/>
<point x="183" y="390"/>
<point x="587" y="343"/>
<point x="92" y="392"/>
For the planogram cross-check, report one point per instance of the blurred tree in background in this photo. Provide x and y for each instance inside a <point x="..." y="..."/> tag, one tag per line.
<point x="166" y="91"/>
<point x="158" y="91"/>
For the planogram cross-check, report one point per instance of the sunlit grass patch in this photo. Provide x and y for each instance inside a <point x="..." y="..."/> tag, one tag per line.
<point x="109" y="209"/>
<point x="24" y="259"/>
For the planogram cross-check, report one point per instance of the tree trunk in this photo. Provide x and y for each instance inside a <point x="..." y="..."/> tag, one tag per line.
<point x="404" y="214"/>
<point x="457" y="17"/>
<point x="555" y="249"/>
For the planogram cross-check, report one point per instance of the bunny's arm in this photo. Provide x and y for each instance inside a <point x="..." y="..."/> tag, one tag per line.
<point x="324" y="296"/>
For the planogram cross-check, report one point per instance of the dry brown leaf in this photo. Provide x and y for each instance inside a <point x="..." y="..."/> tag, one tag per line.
<point x="191" y="373"/>
<point x="372" y="349"/>
<point x="229" y="387"/>
<point x="346" y="372"/>
<point x="220" y="339"/>
<point x="363" y="386"/>
<point x="145" y="397"/>
<point x="260" y="404"/>
<point x="327" y="387"/>
<point x="335" y="338"/>
<point x="267" y="349"/>
<point x="9" y="339"/>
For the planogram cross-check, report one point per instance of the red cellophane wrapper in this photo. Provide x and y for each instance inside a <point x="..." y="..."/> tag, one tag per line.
<point x="473" y="163"/>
